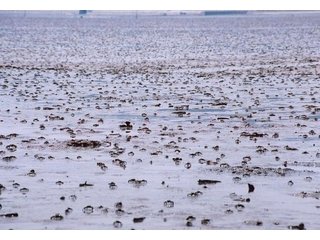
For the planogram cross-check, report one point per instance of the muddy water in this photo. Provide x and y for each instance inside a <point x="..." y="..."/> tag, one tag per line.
<point x="160" y="123"/>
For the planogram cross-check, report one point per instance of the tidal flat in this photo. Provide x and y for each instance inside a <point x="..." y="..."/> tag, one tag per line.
<point x="160" y="122"/>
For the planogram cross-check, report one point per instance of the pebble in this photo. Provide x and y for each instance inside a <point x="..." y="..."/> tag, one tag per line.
<point x="112" y="186"/>
<point x="119" y="212"/>
<point x="10" y="215"/>
<point x="85" y="184"/>
<point x="68" y="211"/>
<point x="189" y="224"/>
<point x="297" y="227"/>
<point x="117" y="224"/>
<point x="205" y="221"/>
<point x="168" y="204"/>
<point x="57" y="217"/>
<point x="32" y="173"/>
<point x="187" y="165"/>
<point x="24" y="190"/>
<point x="88" y="209"/>
<point x="73" y="198"/>
<point x="239" y="207"/>
<point x="290" y="183"/>
<point x="250" y="188"/>
<point x="139" y="220"/>
<point x="118" y="205"/>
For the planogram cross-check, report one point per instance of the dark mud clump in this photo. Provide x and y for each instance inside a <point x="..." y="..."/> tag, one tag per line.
<point x="168" y="204"/>
<point x="120" y="163"/>
<point x="57" y="217"/>
<point x="250" y="188"/>
<point x="10" y="215"/>
<point x="298" y="227"/>
<point x="117" y="224"/>
<point x="85" y="184"/>
<point x="138" y="220"/>
<point x="137" y="183"/>
<point x="112" y="185"/>
<point x="205" y="221"/>
<point x="12" y="135"/>
<point x="88" y="209"/>
<point x="254" y="170"/>
<point x="195" y="194"/>
<point x="68" y="211"/>
<point x="254" y="223"/>
<point x="206" y="182"/>
<point x="2" y="188"/>
<point x="126" y="126"/>
<point x="315" y="195"/>
<point x="9" y="158"/>
<point x="253" y="135"/>
<point x="83" y="143"/>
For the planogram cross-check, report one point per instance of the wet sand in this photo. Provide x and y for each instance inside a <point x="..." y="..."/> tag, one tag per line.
<point x="160" y="123"/>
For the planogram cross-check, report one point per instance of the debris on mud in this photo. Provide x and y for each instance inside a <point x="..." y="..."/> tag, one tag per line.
<point x="9" y="215"/>
<point x="207" y="182"/>
<point x="83" y="143"/>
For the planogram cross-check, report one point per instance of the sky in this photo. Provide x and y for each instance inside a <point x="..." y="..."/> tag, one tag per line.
<point x="160" y="4"/>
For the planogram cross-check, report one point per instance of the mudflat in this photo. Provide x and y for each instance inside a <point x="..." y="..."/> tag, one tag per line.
<point x="160" y="122"/>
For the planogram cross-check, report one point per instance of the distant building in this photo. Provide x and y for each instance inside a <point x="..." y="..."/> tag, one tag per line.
<point x="228" y="12"/>
<point x="83" y="12"/>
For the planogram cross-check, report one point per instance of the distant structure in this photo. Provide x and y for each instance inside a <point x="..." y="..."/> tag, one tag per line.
<point x="83" y="13"/>
<point x="229" y="12"/>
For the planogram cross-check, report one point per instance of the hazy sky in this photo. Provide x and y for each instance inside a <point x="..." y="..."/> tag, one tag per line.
<point x="160" y="5"/>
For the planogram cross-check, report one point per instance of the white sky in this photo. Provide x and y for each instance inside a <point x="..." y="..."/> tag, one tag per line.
<point x="160" y="4"/>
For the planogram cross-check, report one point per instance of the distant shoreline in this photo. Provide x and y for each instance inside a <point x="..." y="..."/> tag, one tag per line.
<point x="107" y="14"/>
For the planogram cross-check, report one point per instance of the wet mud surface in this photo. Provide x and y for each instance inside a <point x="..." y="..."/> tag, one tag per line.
<point x="160" y="123"/>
